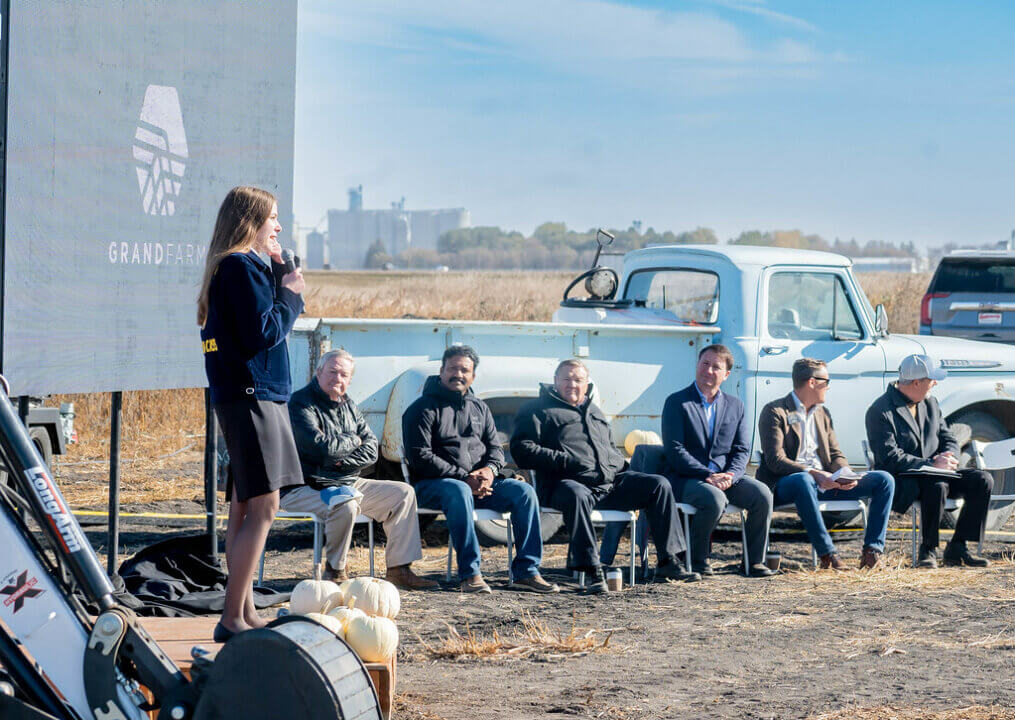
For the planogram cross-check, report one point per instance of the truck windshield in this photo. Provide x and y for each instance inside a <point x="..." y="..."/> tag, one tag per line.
<point x="691" y="295"/>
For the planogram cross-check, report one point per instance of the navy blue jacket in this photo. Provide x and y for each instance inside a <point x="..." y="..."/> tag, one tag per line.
<point x="448" y="435"/>
<point x="249" y="316"/>
<point x="685" y="436"/>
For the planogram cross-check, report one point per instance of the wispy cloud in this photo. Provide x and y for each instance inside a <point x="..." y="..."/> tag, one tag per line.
<point x="760" y="8"/>
<point x="568" y="33"/>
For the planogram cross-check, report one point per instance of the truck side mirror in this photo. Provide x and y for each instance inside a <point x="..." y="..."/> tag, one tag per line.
<point x="880" y="320"/>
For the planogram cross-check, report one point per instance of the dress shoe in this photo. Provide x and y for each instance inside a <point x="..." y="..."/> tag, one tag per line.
<point x="330" y="573"/>
<point x="760" y="570"/>
<point x="222" y="634"/>
<point x="704" y="570"/>
<point x="403" y="577"/>
<point x="872" y="559"/>
<point x="597" y="583"/>
<point x="536" y="584"/>
<point x="475" y="584"/>
<point x="673" y="571"/>
<point x="927" y="558"/>
<point x="956" y="554"/>
<point x="831" y="561"/>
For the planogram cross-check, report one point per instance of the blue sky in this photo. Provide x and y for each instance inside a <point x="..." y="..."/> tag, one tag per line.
<point x="889" y="121"/>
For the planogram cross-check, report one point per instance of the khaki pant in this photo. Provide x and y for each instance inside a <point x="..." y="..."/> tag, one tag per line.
<point x="389" y="502"/>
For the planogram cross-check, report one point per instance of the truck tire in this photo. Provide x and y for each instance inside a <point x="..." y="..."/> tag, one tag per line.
<point x="987" y="428"/>
<point x="43" y="444"/>
<point x="494" y="532"/>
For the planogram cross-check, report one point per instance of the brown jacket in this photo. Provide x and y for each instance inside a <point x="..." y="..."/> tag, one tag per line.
<point x="780" y="441"/>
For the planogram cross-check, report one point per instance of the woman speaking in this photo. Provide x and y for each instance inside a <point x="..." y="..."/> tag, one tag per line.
<point x="245" y="310"/>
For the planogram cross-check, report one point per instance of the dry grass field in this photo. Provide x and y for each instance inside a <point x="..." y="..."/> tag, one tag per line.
<point x="163" y="431"/>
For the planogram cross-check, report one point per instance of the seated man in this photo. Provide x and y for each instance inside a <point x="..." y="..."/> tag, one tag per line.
<point x="707" y="442"/>
<point x="335" y="445"/>
<point x="907" y="433"/>
<point x="801" y="453"/>
<point x="565" y="437"/>
<point x="454" y="461"/>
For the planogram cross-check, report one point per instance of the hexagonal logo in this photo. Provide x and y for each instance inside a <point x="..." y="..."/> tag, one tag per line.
<point x="160" y="150"/>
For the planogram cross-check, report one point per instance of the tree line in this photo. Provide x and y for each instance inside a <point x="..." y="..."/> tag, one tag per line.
<point x="552" y="246"/>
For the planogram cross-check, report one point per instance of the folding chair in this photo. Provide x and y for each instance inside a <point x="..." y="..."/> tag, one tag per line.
<point x="479" y="514"/>
<point x="608" y="548"/>
<point x="998" y="455"/>
<point x="319" y="537"/>
<point x="950" y="505"/>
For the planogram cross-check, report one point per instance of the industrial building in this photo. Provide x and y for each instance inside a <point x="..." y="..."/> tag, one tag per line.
<point x="352" y="231"/>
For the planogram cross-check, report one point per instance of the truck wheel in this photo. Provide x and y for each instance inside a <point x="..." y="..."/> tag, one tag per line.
<point x="43" y="444"/>
<point x="494" y="532"/>
<point x="987" y="428"/>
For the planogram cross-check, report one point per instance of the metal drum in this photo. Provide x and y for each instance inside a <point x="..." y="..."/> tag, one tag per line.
<point x="293" y="669"/>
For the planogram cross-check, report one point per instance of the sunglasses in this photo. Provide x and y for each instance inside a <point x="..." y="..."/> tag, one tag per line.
<point x="822" y="380"/>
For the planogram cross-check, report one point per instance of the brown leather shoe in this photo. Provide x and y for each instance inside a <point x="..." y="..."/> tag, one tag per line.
<point x="475" y="584"/>
<point x="536" y="584"/>
<point x="330" y="573"/>
<point x="832" y="561"/>
<point x="403" y="577"/>
<point x="872" y="559"/>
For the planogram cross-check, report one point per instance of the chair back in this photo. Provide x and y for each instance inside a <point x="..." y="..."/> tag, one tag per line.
<point x="999" y="455"/>
<point x="868" y="456"/>
<point x="649" y="459"/>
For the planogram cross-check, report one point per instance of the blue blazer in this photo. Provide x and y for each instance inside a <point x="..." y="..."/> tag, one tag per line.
<point x="685" y="437"/>
<point x="243" y="338"/>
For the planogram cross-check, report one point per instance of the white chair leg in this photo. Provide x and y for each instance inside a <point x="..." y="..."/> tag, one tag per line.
<point x="634" y="522"/>
<point x="687" y="542"/>
<point x="814" y="556"/>
<point x="318" y="541"/>
<point x="510" y="548"/>
<point x="370" y="538"/>
<point x="743" y="538"/>
<point x="581" y="578"/>
<point x="914" y="513"/>
<point x="260" y="569"/>
<point x="447" y="575"/>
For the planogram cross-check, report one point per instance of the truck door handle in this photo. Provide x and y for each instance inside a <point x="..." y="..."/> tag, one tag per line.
<point x="774" y="349"/>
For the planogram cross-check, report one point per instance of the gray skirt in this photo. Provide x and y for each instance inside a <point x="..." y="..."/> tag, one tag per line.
<point x="262" y="452"/>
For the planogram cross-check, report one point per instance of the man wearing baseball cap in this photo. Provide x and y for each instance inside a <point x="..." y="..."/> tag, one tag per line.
<point x="910" y="439"/>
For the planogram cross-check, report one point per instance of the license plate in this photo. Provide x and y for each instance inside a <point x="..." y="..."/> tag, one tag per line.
<point x="989" y="318"/>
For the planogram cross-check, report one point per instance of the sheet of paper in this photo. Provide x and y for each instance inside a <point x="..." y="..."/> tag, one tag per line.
<point x="845" y="473"/>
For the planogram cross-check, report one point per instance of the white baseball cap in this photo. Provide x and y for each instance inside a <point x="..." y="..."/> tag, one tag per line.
<point x="918" y="367"/>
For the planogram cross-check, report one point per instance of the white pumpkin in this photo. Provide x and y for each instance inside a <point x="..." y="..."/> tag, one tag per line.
<point x="329" y="622"/>
<point x="310" y="596"/>
<point x="373" y="596"/>
<point x="641" y="437"/>
<point x="374" y="639"/>
<point x="343" y="615"/>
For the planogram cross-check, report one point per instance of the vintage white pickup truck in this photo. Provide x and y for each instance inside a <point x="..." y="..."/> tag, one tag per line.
<point x="769" y="305"/>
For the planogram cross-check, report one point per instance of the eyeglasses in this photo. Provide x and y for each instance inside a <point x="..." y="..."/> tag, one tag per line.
<point x="822" y="381"/>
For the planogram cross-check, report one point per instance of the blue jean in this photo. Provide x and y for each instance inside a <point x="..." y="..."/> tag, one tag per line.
<point x="802" y="490"/>
<point x="454" y="498"/>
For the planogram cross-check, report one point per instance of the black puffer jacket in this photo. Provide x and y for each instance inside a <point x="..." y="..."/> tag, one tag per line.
<point x="333" y="439"/>
<point x="559" y="440"/>
<point x="448" y="435"/>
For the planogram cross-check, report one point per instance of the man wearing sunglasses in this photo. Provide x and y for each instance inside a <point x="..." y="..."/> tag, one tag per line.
<point x="803" y="465"/>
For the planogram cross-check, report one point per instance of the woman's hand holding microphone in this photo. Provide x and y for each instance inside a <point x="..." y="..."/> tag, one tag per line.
<point x="292" y="281"/>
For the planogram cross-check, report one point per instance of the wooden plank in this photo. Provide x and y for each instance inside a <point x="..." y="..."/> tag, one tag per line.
<point x="176" y="636"/>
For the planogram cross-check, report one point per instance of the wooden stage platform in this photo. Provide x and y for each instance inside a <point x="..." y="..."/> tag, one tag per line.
<point x="176" y="636"/>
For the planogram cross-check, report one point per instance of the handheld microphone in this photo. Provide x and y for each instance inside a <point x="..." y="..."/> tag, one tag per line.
<point x="290" y="260"/>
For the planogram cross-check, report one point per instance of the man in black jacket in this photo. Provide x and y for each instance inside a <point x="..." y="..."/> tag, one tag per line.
<point x="454" y="460"/>
<point x="335" y="446"/>
<point x="566" y="439"/>
<point x="909" y="438"/>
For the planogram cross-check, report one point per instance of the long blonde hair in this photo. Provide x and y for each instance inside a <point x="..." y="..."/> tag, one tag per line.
<point x="242" y="214"/>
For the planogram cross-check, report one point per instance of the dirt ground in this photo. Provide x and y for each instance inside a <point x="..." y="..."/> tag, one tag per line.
<point x="901" y="643"/>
